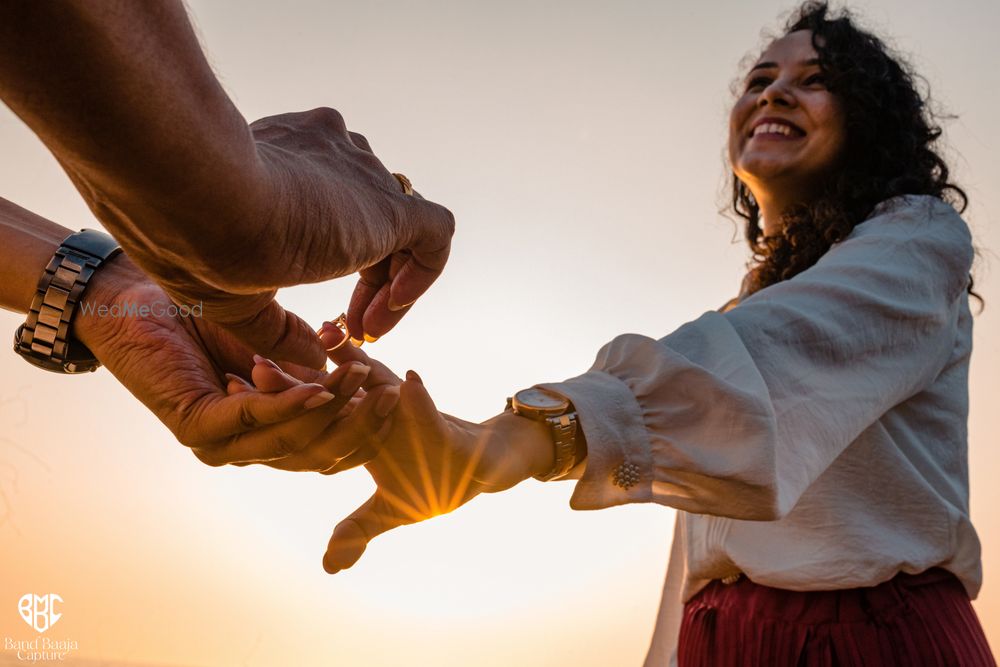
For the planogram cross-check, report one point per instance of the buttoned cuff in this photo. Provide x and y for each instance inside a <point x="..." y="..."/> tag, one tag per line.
<point x="619" y="467"/>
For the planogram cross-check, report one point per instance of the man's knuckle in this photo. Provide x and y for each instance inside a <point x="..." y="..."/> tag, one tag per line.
<point x="328" y="116"/>
<point x="209" y="457"/>
<point x="360" y="140"/>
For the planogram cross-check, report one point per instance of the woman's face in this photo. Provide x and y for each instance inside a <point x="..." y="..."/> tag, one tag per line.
<point x="783" y="164"/>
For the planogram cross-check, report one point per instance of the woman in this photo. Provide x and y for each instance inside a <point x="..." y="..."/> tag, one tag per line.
<point x="812" y="432"/>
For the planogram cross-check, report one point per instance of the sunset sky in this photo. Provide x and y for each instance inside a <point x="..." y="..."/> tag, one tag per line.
<point x="581" y="147"/>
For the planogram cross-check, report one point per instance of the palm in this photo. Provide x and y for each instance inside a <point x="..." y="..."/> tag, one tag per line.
<point x="174" y="366"/>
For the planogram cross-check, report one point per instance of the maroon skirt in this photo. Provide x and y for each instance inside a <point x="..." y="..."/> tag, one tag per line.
<point x="910" y="620"/>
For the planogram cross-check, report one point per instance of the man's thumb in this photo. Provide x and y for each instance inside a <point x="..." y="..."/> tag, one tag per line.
<point x="283" y="336"/>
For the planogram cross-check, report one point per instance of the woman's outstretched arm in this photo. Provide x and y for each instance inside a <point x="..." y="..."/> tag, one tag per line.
<point x="736" y="414"/>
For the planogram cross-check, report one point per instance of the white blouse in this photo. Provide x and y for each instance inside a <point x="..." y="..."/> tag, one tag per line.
<point x="814" y="435"/>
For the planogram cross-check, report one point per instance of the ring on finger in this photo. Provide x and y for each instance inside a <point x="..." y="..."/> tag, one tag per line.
<point x="405" y="182"/>
<point x="340" y="323"/>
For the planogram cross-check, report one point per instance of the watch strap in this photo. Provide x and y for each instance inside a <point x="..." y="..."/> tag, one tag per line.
<point x="44" y="339"/>
<point x="564" y="433"/>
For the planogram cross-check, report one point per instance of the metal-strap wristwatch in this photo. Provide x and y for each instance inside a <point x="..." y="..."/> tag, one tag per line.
<point x="44" y="339"/>
<point x="558" y="414"/>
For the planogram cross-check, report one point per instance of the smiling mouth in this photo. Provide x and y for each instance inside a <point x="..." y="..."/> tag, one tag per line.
<point x="776" y="131"/>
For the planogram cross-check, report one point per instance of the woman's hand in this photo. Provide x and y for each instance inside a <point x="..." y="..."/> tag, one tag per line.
<point x="431" y="464"/>
<point x="424" y="462"/>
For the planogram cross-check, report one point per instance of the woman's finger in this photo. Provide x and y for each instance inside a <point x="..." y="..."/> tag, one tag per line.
<point x="268" y="377"/>
<point x="276" y="441"/>
<point x="300" y="372"/>
<point x="346" y="437"/>
<point x="235" y="384"/>
<point x="380" y="513"/>
<point x="330" y="336"/>
<point x="219" y="418"/>
<point x="345" y="380"/>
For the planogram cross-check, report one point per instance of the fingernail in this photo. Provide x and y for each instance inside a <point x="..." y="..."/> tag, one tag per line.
<point x="412" y="376"/>
<point x="395" y="307"/>
<point x="357" y="343"/>
<point x="355" y="377"/>
<point x="317" y="400"/>
<point x="387" y="402"/>
<point x="261" y="360"/>
<point x="232" y="376"/>
<point x="370" y="339"/>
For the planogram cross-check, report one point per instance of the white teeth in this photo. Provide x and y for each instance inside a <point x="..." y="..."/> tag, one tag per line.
<point x="773" y="128"/>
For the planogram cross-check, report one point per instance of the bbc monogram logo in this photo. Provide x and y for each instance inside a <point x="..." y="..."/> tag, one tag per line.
<point x="39" y="611"/>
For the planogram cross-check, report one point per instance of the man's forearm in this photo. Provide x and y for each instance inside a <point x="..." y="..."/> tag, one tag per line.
<point x="122" y="95"/>
<point x="28" y="242"/>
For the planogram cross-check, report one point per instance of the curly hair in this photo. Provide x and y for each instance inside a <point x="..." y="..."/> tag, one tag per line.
<point x="889" y="150"/>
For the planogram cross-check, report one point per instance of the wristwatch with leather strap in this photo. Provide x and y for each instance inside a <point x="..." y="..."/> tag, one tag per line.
<point x="44" y="339"/>
<point x="558" y="413"/>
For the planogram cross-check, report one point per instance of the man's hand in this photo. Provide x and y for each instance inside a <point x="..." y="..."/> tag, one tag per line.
<point x="216" y="211"/>
<point x="335" y="209"/>
<point x="174" y="365"/>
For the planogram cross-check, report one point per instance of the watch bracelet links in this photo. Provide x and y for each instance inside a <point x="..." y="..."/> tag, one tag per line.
<point x="564" y="430"/>
<point x="46" y="331"/>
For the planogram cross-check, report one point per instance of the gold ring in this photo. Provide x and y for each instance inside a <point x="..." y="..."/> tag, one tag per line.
<point x="405" y="182"/>
<point x="340" y="323"/>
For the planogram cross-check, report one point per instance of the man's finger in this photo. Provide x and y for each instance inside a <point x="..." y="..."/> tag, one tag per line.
<point x="370" y="281"/>
<point x="414" y="270"/>
<point x="279" y="334"/>
<point x="260" y="323"/>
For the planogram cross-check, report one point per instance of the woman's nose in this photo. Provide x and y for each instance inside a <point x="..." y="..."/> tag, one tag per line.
<point x="776" y="94"/>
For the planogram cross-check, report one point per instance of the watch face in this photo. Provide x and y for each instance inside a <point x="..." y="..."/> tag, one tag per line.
<point x="539" y="399"/>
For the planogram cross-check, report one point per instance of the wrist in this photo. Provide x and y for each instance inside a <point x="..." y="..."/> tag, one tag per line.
<point x="528" y="440"/>
<point x="94" y="325"/>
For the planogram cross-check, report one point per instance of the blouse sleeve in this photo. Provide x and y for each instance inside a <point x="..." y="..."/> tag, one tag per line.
<point x="736" y="414"/>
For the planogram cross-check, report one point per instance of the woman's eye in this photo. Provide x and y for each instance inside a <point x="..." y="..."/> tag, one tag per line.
<point x="815" y="78"/>
<point x="758" y="81"/>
